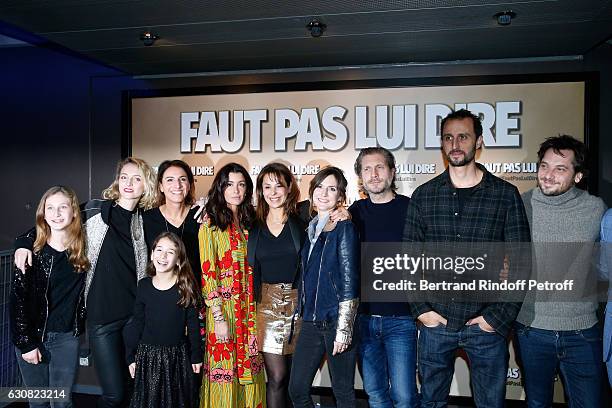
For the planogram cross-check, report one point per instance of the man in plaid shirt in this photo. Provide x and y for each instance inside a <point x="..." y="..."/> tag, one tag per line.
<point x="465" y="204"/>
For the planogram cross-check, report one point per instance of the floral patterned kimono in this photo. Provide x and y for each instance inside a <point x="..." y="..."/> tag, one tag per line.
<point x="233" y="372"/>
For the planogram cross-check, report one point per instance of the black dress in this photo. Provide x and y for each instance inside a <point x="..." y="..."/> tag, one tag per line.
<point x="156" y="342"/>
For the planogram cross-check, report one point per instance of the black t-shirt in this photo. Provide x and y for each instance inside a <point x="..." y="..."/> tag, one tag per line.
<point x="381" y="223"/>
<point x="155" y="224"/>
<point x="158" y="320"/>
<point x="462" y="195"/>
<point x="276" y="256"/>
<point x="113" y="289"/>
<point x="65" y="286"/>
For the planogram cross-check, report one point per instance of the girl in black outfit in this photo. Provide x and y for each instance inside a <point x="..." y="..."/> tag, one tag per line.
<point x="47" y="305"/>
<point x="160" y="357"/>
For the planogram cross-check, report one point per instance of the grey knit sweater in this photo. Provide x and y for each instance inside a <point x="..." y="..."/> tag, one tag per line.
<point x="571" y="217"/>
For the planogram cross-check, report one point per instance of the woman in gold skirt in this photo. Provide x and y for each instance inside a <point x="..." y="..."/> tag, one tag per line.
<point x="273" y="250"/>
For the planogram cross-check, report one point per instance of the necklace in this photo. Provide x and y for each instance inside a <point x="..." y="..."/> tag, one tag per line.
<point x="168" y="226"/>
<point x="182" y="227"/>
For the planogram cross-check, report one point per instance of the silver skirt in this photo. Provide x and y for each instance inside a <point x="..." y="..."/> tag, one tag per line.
<point x="274" y="315"/>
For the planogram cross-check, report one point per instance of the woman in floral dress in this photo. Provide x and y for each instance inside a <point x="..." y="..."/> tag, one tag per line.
<point x="233" y="371"/>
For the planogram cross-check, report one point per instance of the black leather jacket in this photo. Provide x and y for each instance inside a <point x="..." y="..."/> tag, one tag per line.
<point x="30" y="307"/>
<point x="340" y="259"/>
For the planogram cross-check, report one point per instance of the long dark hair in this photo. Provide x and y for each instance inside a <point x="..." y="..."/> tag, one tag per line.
<point x="185" y="281"/>
<point x="281" y="173"/>
<point x="216" y="207"/>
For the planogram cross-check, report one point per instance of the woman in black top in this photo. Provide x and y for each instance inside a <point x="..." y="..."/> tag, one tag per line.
<point x="273" y="250"/>
<point x="175" y="196"/>
<point x="47" y="305"/>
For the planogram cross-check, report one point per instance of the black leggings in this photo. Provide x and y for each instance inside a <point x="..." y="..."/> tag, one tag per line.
<point x="108" y="351"/>
<point x="278" y="368"/>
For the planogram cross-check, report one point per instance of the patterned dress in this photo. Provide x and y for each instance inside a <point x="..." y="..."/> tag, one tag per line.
<point x="233" y="372"/>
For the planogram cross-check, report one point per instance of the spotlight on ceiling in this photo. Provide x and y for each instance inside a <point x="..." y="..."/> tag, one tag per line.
<point x="505" y="18"/>
<point x="316" y="27"/>
<point x="148" y="38"/>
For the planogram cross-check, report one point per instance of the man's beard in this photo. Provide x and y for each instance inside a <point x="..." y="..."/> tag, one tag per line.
<point x="467" y="158"/>
<point x="379" y="188"/>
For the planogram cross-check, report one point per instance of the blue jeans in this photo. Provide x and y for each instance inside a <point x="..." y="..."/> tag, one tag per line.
<point x="607" y="351"/>
<point x="488" y="355"/>
<point x="315" y="340"/>
<point x="58" y="367"/>
<point x="387" y="355"/>
<point x="576" y="354"/>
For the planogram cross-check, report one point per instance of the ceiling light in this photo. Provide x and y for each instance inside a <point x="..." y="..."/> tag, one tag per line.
<point x="504" y="18"/>
<point x="316" y="27"/>
<point x="148" y="38"/>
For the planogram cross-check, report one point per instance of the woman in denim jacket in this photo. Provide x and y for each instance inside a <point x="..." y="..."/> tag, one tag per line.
<point x="329" y="290"/>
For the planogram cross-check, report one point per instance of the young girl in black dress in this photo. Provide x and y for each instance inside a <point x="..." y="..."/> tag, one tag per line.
<point x="161" y="357"/>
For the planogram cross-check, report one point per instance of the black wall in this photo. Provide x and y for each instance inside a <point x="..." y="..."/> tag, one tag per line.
<point x="45" y="128"/>
<point x="61" y="117"/>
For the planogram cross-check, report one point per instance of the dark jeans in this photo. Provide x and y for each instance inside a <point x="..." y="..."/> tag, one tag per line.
<point x="576" y="354"/>
<point x="488" y="355"/>
<point x="317" y="339"/>
<point x="108" y="352"/>
<point x="387" y="352"/>
<point x="60" y="354"/>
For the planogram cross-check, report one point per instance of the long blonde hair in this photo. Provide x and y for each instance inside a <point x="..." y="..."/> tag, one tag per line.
<point x="149" y="197"/>
<point x="75" y="238"/>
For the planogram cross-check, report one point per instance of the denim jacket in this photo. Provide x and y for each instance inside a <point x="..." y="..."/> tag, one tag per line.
<point x="340" y="259"/>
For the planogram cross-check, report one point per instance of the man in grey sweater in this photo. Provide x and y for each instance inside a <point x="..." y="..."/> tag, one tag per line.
<point x="558" y="330"/>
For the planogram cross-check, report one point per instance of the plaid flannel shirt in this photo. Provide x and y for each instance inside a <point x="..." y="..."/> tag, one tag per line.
<point x="494" y="212"/>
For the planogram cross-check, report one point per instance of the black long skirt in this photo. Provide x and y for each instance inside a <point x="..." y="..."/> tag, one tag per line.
<point x="164" y="377"/>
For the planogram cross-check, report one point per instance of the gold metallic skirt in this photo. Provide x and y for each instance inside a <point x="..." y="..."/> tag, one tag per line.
<point x="274" y="315"/>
